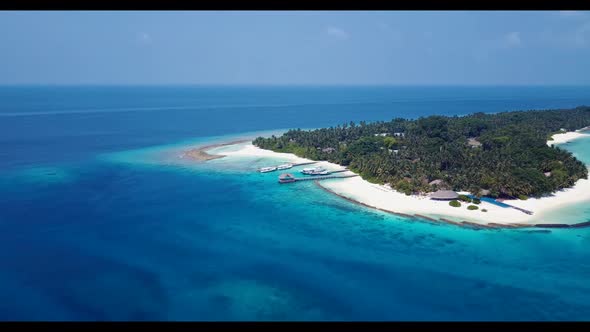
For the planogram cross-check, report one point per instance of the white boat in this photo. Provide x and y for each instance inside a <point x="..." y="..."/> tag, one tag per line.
<point x="315" y="171"/>
<point x="284" y="166"/>
<point x="267" y="169"/>
<point x="308" y="170"/>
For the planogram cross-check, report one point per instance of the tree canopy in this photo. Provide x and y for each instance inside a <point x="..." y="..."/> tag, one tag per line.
<point x="503" y="154"/>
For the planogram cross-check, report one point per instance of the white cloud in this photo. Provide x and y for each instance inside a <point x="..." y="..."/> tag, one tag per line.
<point x="512" y="39"/>
<point x="337" y="33"/>
<point x="571" y="13"/>
<point x="144" y="38"/>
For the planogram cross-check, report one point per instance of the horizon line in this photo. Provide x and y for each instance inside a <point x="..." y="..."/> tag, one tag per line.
<point x="286" y="85"/>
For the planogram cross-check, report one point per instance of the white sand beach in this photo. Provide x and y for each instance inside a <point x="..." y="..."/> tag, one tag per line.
<point x="249" y="150"/>
<point x="384" y="198"/>
<point x="567" y="137"/>
<point x="580" y="192"/>
<point x="390" y="200"/>
<point x="379" y="197"/>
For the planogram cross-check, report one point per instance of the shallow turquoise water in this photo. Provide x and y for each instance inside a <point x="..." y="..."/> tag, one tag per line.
<point x="580" y="148"/>
<point x="577" y="212"/>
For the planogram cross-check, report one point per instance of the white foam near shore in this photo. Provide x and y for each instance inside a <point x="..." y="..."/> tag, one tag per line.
<point x="384" y="198"/>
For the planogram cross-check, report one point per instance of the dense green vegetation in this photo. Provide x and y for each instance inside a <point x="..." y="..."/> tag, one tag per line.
<point x="464" y="198"/>
<point x="454" y="203"/>
<point x="472" y="207"/>
<point x="503" y="154"/>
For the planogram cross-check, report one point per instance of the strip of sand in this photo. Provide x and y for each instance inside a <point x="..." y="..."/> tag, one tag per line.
<point x="200" y="154"/>
<point x="568" y="137"/>
<point x="389" y="200"/>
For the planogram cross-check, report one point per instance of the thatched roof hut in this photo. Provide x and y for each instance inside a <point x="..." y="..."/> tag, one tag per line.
<point x="286" y="177"/>
<point x="484" y="192"/>
<point x="328" y="149"/>
<point x="444" y="195"/>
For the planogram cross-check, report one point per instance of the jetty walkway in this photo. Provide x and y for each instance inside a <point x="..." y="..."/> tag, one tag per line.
<point x="324" y="177"/>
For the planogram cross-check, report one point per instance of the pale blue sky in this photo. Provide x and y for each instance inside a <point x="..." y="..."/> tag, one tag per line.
<point x="419" y="47"/>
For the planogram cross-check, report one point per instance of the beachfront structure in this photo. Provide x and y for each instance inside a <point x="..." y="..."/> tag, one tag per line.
<point x="286" y="178"/>
<point x="437" y="182"/>
<point x="444" y="195"/>
<point x="484" y="192"/>
<point x="473" y="142"/>
<point x="328" y="150"/>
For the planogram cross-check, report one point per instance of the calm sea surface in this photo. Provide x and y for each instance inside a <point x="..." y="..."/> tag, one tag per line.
<point x="97" y="224"/>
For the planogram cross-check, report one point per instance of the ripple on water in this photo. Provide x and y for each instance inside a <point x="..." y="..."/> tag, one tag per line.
<point x="45" y="175"/>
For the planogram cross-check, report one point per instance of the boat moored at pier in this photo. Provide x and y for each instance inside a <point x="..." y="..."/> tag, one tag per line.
<point x="315" y="171"/>
<point x="267" y="169"/>
<point x="284" y="166"/>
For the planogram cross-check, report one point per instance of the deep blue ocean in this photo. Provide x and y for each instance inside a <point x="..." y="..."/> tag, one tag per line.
<point x="94" y="227"/>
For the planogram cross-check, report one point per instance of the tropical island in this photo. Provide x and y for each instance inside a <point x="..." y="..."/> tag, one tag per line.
<point x="478" y="170"/>
<point x="503" y="155"/>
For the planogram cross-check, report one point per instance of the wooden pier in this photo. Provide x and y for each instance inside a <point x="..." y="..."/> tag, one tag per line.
<point x="307" y="163"/>
<point x="520" y="209"/>
<point x="514" y="207"/>
<point x="322" y="177"/>
<point x="338" y="171"/>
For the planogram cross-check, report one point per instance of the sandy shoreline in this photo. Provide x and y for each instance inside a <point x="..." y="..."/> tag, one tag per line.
<point x="568" y="137"/>
<point x="200" y="154"/>
<point x="379" y="197"/>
